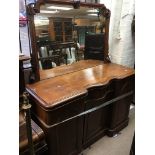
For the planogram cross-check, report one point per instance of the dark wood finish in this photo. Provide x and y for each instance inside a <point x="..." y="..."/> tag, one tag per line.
<point x="65" y="138"/>
<point x="105" y="14"/>
<point x="40" y="145"/>
<point x="21" y="73"/>
<point x="106" y="40"/>
<point x="33" y="9"/>
<point x="119" y="110"/>
<point x="110" y="119"/>
<point x="60" y="97"/>
<point x="34" y="54"/>
<point x="96" y="123"/>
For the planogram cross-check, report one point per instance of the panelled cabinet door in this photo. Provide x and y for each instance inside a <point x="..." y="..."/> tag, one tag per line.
<point x="66" y="139"/>
<point x="61" y="29"/>
<point x="119" y="110"/>
<point x="96" y="122"/>
<point x="95" y="126"/>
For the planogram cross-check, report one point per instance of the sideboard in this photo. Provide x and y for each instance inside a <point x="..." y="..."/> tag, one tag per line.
<point x="76" y="105"/>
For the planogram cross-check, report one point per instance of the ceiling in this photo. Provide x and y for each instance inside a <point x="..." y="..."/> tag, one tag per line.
<point x="73" y="13"/>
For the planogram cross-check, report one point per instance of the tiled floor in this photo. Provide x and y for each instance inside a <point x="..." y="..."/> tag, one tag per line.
<point x="119" y="145"/>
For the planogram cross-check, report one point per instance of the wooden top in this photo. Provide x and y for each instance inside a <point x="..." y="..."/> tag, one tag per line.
<point x="53" y="91"/>
<point x="83" y="64"/>
<point x="24" y="58"/>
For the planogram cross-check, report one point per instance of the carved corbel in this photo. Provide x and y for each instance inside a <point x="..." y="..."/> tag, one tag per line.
<point x="104" y="12"/>
<point x="76" y="4"/>
<point x="104" y="16"/>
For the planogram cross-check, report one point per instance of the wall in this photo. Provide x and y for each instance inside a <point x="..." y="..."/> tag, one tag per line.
<point x="23" y="30"/>
<point x="121" y="42"/>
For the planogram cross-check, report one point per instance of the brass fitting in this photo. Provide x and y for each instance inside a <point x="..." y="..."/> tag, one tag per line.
<point x="26" y="104"/>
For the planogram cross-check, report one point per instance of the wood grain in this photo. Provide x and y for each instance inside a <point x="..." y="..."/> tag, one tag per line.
<point x="58" y="89"/>
<point x="60" y="70"/>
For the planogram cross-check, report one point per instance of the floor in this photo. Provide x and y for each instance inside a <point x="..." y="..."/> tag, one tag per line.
<point x="119" y="145"/>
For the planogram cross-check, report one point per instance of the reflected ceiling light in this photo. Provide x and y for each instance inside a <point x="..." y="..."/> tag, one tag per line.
<point x="59" y="8"/>
<point x="38" y="17"/>
<point x="93" y="10"/>
<point x="39" y="22"/>
<point x="46" y="11"/>
<point x="92" y="14"/>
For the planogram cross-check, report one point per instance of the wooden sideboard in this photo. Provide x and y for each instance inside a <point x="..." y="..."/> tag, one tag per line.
<point x="64" y="95"/>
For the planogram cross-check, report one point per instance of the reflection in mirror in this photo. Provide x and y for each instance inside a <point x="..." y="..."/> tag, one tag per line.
<point x="61" y="31"/>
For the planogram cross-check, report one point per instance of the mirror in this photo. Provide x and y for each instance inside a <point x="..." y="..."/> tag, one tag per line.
<point x="60" y="32"/>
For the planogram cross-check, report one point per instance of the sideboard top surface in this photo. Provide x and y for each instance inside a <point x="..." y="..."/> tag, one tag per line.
<point x="58" y="89"/>
<point x="65" y="69"/>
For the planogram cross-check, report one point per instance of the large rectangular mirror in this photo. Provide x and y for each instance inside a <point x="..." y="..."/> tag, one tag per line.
<point x="61" y="31"/>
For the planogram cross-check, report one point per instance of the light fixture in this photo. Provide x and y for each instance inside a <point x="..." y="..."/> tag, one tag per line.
<point x="47" y="11"/>
<point x="59" y="8"/>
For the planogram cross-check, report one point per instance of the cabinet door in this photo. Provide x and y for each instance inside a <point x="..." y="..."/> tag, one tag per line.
<point x="68" y="30"/>
<point x="119" y="114"/>
<point x="119" y="110"/>
<point x="96" y="122"/>
<point x="66" y="139"/>
<point x="58" y="29"/>
<point x="95" y="126"/>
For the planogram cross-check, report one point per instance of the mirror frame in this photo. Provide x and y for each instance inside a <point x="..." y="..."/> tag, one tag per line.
<point x="34" y="7"/>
